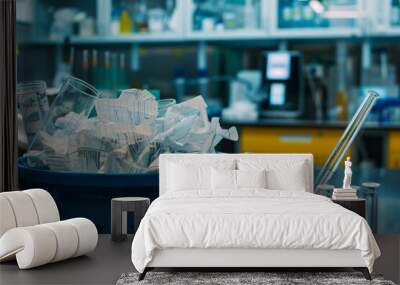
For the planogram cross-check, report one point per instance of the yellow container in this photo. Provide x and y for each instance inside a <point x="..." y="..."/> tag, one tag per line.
<point x="319" y="142"/>
<point x="125" y="24"/>
<point x="393" y="159"/>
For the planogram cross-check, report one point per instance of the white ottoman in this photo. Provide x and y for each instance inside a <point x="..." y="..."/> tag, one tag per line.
<point x="31" y="232"/>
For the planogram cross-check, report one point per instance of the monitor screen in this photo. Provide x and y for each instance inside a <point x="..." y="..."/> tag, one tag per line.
<point x="282" y="83"/>
<point x="277" y="94"/>
<point x="278" y="66"/>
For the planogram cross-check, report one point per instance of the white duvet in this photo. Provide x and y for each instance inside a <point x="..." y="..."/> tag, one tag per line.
<point x="255" y="218"/>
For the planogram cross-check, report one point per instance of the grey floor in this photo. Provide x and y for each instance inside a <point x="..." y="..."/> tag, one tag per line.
<point x="103" y="266"/>
<point x="110" y="260"/>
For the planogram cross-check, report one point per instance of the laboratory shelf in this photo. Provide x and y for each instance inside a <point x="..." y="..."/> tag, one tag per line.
<point x="233" y="37"/>
<point x="238" y="35"/>
<point x="227" y="35"/>
<point x="128" y="38"/>
<point x="272" y="25"/>
<point x="308" y="33"/>
<point x="40" y="41"/>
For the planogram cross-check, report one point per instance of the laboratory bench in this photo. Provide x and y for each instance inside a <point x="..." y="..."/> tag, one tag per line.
<point x="378" y="142"/>
<point x="309" y="124"/>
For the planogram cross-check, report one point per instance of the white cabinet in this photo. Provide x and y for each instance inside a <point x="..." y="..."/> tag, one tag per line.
<point x="316" y="18"/>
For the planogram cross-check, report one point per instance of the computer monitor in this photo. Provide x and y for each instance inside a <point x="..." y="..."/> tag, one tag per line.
<point x="283" y="84"/>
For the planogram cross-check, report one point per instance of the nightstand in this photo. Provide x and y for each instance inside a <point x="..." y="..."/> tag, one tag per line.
<point x="119" y="211"/>
<point x="356" y="205"/>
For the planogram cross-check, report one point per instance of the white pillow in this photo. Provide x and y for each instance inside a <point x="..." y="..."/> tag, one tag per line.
<point x="251" y="178"/>
<point x="292" y="180"/>
<point x="184" y="178"/>
<point x="282" y="174"/>
<point x="185" y="174"/>
<point x="223" y="179"/>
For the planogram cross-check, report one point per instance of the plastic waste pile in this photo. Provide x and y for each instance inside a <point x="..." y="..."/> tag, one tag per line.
<point x="126" y="134"/>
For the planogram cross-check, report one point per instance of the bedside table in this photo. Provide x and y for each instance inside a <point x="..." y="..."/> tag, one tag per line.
<point x="356" y="205"/>
<point x="119" y="211"/>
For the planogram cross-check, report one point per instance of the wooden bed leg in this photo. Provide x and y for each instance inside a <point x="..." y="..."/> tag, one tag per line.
<point x="364" y="271"/>
<point x="142" y="275"/>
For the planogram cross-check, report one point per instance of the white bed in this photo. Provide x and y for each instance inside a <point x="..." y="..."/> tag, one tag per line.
<point x="280" y="225"/>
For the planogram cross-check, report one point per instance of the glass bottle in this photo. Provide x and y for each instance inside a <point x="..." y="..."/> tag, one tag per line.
<point x="115" y="22"/>
<point x="85" y="65"/>
<point x="125" y="23"/>
<point x="94" y="73"/>
<point x="141" y="18"/>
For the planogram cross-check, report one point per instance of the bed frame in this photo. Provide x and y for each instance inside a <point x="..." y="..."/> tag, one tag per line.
<point x="246" y="259"/>
<point x="242" y="259"/>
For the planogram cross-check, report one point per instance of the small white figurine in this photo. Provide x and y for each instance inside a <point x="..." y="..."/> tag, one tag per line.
<point x="347" y="174"/>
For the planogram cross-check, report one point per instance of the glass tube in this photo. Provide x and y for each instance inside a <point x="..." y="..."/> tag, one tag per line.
<point x="347" y="139"/>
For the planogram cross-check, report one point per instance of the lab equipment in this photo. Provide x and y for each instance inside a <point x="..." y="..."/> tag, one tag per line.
<point x="64" y="69"/>
<point x="316" y="105"/>
<point x="104" y="69"/>
<point x="85" y="65"/>
<point x="126" y="25"/>
<point x="94" y="66"/>
<point x="33" y="105"/>
<point x="347" y="139"/>
<point x="87" y="27"/>
<point x="122" y="73"/>
<point x="211" y="16"/>
<point x="387" y="109"/>
<point x="74" y="96"/>
<point x="115" y="25"/>
<point x="294" y="14"/>
<point x="395" y="13"/>
<point x="157" y="20"/>
<point x="243" y="96"/>
<point x="283" y="84"/>
<point x="141" y="18"/>
<point x="63" y="23"/>
<point x="381" y="77"/>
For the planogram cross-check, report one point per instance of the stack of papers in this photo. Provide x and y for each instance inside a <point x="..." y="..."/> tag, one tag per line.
<point x="344" y="194"/>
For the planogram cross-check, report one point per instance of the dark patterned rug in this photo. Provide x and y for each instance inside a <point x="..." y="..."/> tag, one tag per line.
<point x="229" y="278"/>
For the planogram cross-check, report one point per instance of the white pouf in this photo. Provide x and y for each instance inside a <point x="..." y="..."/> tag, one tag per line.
<point x="7" y="219"/>
<point x="46" y="208"/>
<point x="31" y="232"/>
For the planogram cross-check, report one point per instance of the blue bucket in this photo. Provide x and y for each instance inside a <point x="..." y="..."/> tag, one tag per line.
<point x="88" y="195"/>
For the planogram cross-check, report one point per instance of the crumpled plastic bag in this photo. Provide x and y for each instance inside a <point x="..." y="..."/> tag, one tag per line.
<point x="127" y="135"/>
<point x="69" y="123"/>
<point x="132" y="107"/>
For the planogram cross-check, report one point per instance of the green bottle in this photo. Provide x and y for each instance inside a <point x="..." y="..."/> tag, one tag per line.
<point x="94" y="67"/>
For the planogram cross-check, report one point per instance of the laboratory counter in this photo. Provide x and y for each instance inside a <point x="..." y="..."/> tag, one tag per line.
<point x="377" y="142"/>
<point x="300" y="123"/>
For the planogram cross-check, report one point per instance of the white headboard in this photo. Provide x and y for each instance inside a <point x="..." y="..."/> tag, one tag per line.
<point x="205" y="158"/>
